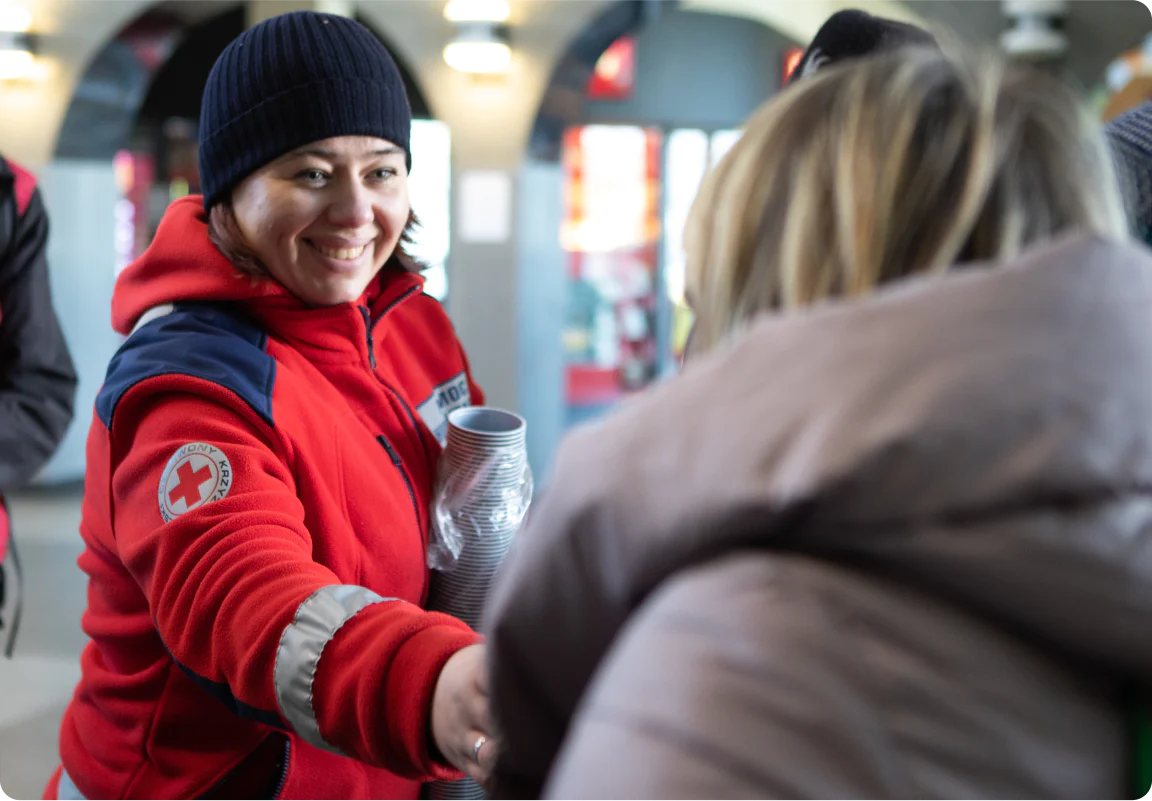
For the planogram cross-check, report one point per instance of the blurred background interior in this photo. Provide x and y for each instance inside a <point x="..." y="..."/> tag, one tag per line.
<point x="558" y="147"/>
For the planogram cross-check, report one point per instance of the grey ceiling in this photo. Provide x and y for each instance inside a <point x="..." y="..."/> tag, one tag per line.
<point x="1097" y="30"/>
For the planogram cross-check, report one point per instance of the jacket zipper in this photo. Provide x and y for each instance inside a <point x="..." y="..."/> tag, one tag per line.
<point x="399" y="463"/>
<point x="369" y="327"/>
<point x="412" y="420"/>
<point x="284" y="770"/>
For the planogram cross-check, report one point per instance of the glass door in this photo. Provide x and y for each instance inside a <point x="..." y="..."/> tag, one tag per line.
<point x="627" y="194"/>
<point x="611" y="233"/>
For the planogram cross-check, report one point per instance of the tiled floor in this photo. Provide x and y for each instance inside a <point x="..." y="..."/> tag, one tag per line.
<point x="36" y="684"/>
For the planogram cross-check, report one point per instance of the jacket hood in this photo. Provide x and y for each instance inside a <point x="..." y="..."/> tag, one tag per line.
<point x="182" y="264"/>
<point x="985" y="436"/>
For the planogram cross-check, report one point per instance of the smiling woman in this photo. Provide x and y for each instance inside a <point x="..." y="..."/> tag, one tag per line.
<point x="257" y="568"/>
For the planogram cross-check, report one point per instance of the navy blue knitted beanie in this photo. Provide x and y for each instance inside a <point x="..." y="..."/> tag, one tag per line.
<point x="291" y="80"/>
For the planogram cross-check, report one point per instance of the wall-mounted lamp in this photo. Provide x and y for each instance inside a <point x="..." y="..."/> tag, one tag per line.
<point x="1037" y="32"/>
<point x="481" y="41"/>
<point x="17" y="46"/>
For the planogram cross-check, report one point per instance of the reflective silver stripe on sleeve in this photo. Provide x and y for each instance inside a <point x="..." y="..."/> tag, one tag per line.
<point x="67" y="789"/>
<point x="316" y="622"/>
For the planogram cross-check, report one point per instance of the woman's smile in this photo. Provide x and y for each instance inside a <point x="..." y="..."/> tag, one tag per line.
<point x="339" y="256"/>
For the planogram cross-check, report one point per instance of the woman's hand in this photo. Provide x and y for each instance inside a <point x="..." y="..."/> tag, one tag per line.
<point x="460" y="716"/>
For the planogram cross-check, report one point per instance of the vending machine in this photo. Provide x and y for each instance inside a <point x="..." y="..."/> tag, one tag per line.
<point x="628" y="191"/>
<point x="611" y="234"/>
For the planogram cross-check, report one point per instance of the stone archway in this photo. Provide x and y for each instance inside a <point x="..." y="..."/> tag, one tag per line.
<point x="563" y="101"/>
<point x="72" y="33"/>
<point x="155" y="68"/>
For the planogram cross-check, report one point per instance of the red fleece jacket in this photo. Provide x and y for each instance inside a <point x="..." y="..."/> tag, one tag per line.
<point x="255" y="515"/>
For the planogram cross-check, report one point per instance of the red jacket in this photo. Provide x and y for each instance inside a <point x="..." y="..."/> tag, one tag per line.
<point x="256" y="514"/>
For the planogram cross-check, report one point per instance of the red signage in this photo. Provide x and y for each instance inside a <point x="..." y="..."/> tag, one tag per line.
<point x="792" y="58"/>
<point x="615" y="71"/>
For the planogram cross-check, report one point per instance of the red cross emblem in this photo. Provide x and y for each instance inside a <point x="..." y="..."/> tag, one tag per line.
<point x="189" y="486"/>
<point x="196" y="474"/>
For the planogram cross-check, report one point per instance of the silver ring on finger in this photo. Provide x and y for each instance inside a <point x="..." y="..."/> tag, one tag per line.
<point x="476" y="748"/>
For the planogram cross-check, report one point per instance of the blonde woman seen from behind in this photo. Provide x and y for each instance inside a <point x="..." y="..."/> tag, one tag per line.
<point x="912" y="165"/>
<point x="887" y="536"/>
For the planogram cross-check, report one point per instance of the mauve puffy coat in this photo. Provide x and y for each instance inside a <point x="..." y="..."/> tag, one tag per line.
<point x="897" y="547"/>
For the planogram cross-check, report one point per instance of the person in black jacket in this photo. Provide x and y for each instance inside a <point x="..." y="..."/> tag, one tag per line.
<point x="37" y="379"/>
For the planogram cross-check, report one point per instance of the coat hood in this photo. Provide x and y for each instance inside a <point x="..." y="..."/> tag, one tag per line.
<point x="985" y="436"/>
<point x="182" y="264"/>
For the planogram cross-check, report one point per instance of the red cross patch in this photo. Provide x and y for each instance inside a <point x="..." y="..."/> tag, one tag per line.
<point x="196" y="474"/>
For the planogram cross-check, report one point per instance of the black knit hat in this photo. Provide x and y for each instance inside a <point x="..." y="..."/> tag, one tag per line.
<point x="851" y="34"/>
<point x="290" y="80"/>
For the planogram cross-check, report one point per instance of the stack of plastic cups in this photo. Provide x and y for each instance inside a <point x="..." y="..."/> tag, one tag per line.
<point x="486" y="486"/>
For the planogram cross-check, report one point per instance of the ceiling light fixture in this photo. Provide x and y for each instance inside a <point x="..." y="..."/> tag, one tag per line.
<point x="478" y="55"/>
<point x="14" y="18"/>
<point x="1037" y="32"/>
<point x="480" y="45"/>
<point x="15" y="63"/>
<point x="477" y="11"/>
<point x="17" y="46"/>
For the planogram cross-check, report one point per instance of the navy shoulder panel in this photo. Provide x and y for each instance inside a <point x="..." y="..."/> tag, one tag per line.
<point x="213" y="342"/>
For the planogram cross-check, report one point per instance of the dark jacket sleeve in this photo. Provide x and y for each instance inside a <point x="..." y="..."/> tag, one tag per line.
<point x="37" y="379"/>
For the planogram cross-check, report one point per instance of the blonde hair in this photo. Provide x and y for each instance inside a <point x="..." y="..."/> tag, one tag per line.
<point x="883" y="168"/>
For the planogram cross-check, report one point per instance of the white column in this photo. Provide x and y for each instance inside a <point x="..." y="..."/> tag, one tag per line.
<point x="260" y="10"/>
